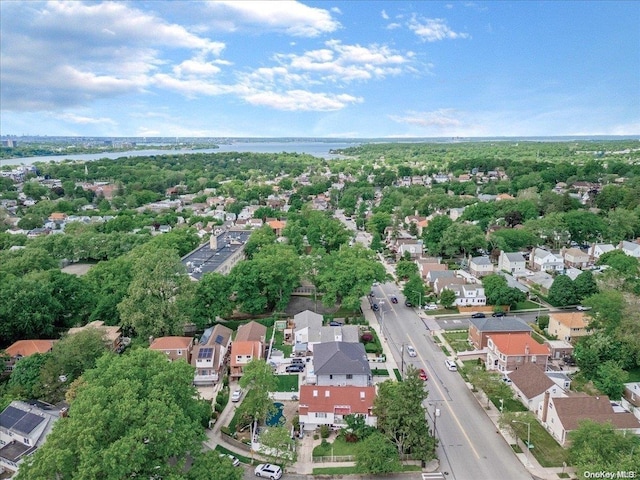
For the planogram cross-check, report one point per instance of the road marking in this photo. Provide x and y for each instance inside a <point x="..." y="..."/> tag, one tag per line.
<point x="433" y="476"/>
<point x="435" y="384"/>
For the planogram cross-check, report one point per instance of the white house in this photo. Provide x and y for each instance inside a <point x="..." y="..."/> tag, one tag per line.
<point x="480" y="266"/>
<point x="532" y="386"/>
<point x="468" y="295"/>
<point x="543" y="260"/>
<point x="512" y="262"/>
<point x="304" y="322"/>
<point x="340" y="364"/>
<point x="598" y="249"/>
<point x="328" y="405"/>
<point x="630" y="248"/>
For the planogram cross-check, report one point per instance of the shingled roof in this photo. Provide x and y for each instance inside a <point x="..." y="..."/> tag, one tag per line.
<point x="530" y="380"/>
<point x="340" y="358"/>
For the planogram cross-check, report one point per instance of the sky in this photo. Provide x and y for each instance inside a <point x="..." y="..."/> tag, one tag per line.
<point x="341" y="69"/>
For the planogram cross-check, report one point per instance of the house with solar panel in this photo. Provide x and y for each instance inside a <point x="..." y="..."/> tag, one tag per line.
<point x="210" y="354"/>
<point x="23" y="428"/>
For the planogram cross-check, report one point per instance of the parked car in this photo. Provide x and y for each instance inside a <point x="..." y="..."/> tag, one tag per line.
<point x="582" y="308"/>
<point x="297" y="360"/>
<point x="375" y="307"/>
<point x="234" y="461"/>
<point x="236" y="396"/>
<point x="431" y="306"/>
<point x="335" y="324"/>
<point x="411" y="351"/>
<point x="372" y="294"/>
<point x="394" y="299"/>
<point x="267" y="470"/>
<point x="407" y="303"/>
<point x="478" y="315"/>
<point x="498" y="314"/>
<point x="294" y="368"/>
<point x="423" y="375"/>
<point x="451" y="365"/>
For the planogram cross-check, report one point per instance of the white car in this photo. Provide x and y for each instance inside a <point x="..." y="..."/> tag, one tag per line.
<point x="267" y="470"/>
<point x="431" y="306"/>
<point x="411" y="351"/>
<point x="236" y="396"/>
<point x="451" y="365"/>
<point x="582" y="308"/>
<point x="234" y="461"/>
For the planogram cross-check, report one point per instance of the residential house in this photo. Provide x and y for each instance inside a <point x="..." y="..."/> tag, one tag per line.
<point x="543" y="260"/>
<point x="540" y="280"/>
<point x="598" y="249"/>
<point x="441" y="283"/>
<point x="480" y="266"/>
<point x="632" y="394"/>
<point x="210" y="354"/>
<point x="559" y="349"/>
<point x="532" y="386"/>
<point x="481" y="328"/>
<point x="468" y="295"/>
<point x="326" y="334"/>
<point x="329" y="405"/>
<point x="112" y="335"/>
<point x="504" y="196"/>
<point x="630" y="248"/>
<point x="512" y="262"/>
<point x="415" y="248"/>
<point x="23" y="429"/>
<point x="576" y="258"/>
<point x="303" y="322"/>
<point x="507" y="351"/>
<point x="25" y="348"/>
<point x="456" y="213"/>
<point x="425" y="265"/>
<point x="433" y="275"/>
<point x="251" y="332"/>
<point x="563" y="415"/>
<point x="175" y="348"/>
<point x="567" y="326"/>
<point x="277" y="226"/>
<point x="340" y="364"/>
<point x="243" y="352"/>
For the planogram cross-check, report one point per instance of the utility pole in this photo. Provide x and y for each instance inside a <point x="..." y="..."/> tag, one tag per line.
<point x="402" y="356"/>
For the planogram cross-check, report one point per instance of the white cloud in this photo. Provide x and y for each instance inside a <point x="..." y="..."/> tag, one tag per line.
<point x="291" y="17"/>
<point x="434" y="29"/>
<point x="443" y="118"/>
<point x="84" y="120"/>
<point x="393" y="26"/>
<point x="301" y="100"/>
<point x="384" y="15"/>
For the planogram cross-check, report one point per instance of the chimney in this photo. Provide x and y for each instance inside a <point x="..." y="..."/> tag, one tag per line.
<point x="151" y="339"/>
<point x="213" y="242"/>
<point x="526" y="349"/>
<point x="545" y="406"/>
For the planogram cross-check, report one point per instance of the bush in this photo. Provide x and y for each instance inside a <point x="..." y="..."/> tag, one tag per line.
<point x="324" y="443"/>
<point x="325" y="431"/>
<point x="366" y="337"/>
<point x="543" y="321"/>
<point x="372" y="348"/>
<point x="316" y="436"/>
<point x="225" y="430"/>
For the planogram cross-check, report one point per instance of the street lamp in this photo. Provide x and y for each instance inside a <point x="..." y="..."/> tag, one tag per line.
<point x="528" y="424"/>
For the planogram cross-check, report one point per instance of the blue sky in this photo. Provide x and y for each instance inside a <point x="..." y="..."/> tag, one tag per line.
<point x="320" y="69"/>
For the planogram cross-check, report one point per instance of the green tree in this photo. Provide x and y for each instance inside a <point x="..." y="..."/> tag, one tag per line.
<point x="406" y="269"/>
<point x="400" y="413"/>
<point x="109" y="281"/>
<point x="414" y="290"/>
<point x="562" y="292"/>
<point x="432" y="234"/>
<point x="607" y="310"/>
<point x="258" y="380"/>
<point x="462" y="238"/>
<point x="619" y="261"/>
<point x="447" y="298"/>
<point x="152" y="306"/>
<point x="208" y="465"/>
<point x="25" y="381"/>
<point x="131" y="416"/>
<point x="610" y="379"/>
<point x="279" y="447"/>
<point x="212" y="298"/>
<point x="378" y="222"/>
<point x="377" y="454"/>
<point x="585" y="285"/>
<point x="259" y="238"/>
<point x="584" y="226"/>
<point x="356" y="428"/>
<point x="599" y="447"/>
<point x="346" y="275"/>
<point x="506" y="296"/>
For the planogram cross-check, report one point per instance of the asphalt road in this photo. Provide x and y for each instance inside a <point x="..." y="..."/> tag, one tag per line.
<point x="469" y="446"/>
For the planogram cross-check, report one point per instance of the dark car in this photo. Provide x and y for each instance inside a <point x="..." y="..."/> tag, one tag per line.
<point x="407" y="303"/>
<point x="498" y="314"/>
<point x="375" y="307"/>
<point x="372" y="294"/>
<point x="394" y="300"/>
<point x="335" y="324"/>
<point x="478" y="315"/>
<point x="294" y="368"/>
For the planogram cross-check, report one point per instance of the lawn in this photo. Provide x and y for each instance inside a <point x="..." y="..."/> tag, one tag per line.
<point x="458" y="340"/>
<point x="278" y="343"/>
<point x="340" y="447"/>
<point x="526" y="305"/>
<point x="545" y="449"/>
<point x="242" y="458"/>
<point x="353" y="470"/>
<point x="380" y="372"/>
<point x="287" y="383"/>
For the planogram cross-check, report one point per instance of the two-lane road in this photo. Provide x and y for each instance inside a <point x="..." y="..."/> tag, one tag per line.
<point x="469" y="446"/>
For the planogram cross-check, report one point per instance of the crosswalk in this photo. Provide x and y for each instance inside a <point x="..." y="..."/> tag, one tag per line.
<point x="433" y="476"/>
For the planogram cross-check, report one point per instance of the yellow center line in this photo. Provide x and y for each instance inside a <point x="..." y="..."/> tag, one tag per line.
<point x="447" y="404"/>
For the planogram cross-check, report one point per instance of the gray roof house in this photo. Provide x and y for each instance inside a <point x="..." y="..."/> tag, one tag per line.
<point x="340" y="364"/>
<point x="344" y="333"/>
<point x="512" y="262"/>
<point x="481" y="328"/>
<point x="304" y="322"/>
<point x="433" y="275"/>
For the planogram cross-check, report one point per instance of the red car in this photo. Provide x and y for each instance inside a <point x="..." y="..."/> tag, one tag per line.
<point x="423" y="375"/>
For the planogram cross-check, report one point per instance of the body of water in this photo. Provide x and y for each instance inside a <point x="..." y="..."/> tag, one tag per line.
<point x="317" y="149"/>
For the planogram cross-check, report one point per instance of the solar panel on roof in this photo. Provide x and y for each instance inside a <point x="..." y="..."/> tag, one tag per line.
<point x="17" y="419"/>
<point x="205" y="353"/>
<point x="27" y="423"/>
<point x="219" y="339"/>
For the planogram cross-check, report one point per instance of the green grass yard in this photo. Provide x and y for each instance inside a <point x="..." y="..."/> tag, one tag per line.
<point x="458" y="340"/>
<point x="545" y="449"/>
<point x="287" y="383"/>
<point x="339" y="446"/>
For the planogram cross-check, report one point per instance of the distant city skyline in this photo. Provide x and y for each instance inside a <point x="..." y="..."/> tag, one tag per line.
<point x="344" y="69"/>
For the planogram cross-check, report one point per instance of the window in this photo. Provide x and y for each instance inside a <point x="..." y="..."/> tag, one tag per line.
<point x="321" y="415"/>
<point x="179" y="352"/>
<point x="330" y="377"/>
<point x="349" y="376"/>
<point x="327" y="393"/>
